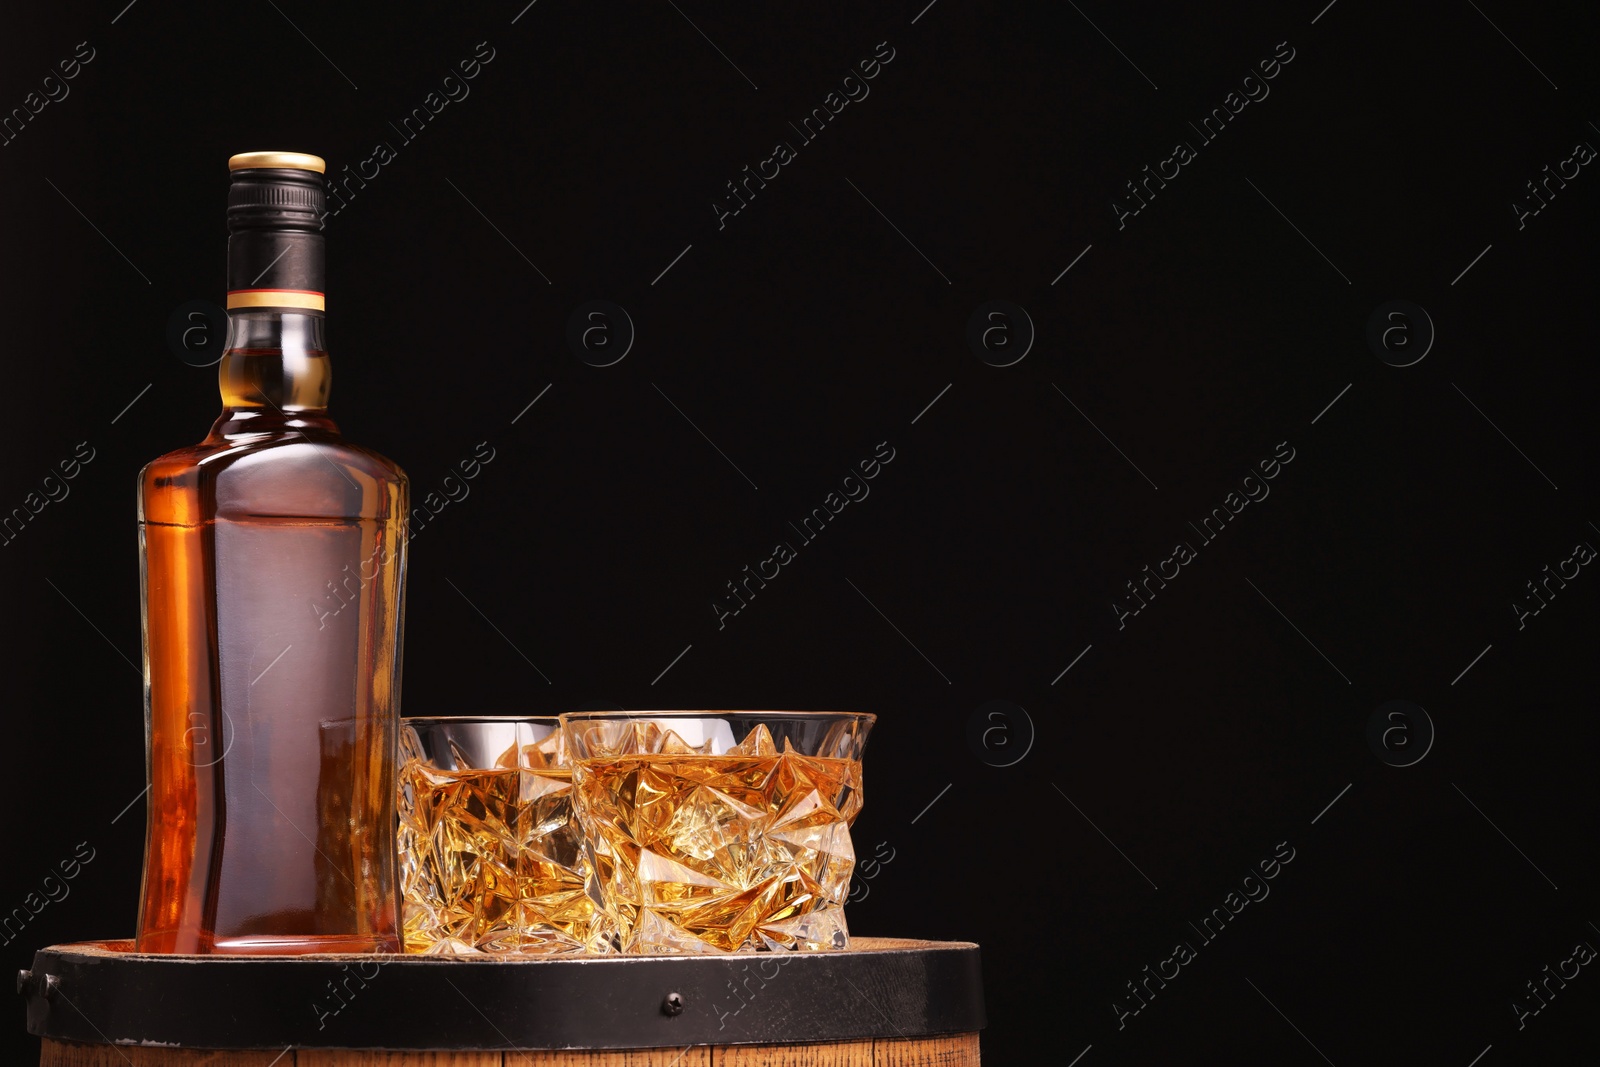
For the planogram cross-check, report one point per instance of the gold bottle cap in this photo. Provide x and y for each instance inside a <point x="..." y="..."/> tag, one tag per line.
<point x="279" y="160"/>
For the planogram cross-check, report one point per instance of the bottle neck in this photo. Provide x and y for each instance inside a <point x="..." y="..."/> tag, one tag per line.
<point x="275" y="374"/>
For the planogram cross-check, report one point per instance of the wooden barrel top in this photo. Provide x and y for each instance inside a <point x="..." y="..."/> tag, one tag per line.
<point x="948" y="1050"/>
<point x="103" y="993"/>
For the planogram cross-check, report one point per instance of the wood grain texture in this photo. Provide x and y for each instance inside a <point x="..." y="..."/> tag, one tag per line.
<point x="949" y="1050"/>
<point x="124" y="949"/>
<point x="694" y="1056"/>
<point x="365" y="1058"/>
<point x="68" y="1054"/>
<point x="842" y="1054"/>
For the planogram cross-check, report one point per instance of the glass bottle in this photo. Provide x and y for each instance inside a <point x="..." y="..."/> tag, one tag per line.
<point x="273" y="565"/>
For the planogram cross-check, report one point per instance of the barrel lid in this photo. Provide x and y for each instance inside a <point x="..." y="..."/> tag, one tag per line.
<point x="104" y="992"/>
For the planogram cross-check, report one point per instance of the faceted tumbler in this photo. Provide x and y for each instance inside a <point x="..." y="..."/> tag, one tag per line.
<point x="491" y="853"/>
<point x="720" y="831"/>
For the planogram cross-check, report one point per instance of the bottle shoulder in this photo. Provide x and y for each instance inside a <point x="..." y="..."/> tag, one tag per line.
<point x="294" y="474"/>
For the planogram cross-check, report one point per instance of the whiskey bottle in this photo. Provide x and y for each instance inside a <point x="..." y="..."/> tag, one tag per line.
<point x="273" y="565"/>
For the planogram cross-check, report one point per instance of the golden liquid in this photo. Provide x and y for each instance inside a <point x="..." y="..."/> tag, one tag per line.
<point x="717" y="853"/>
<point x="492" y="860"/>
<point x="273" y="557"/>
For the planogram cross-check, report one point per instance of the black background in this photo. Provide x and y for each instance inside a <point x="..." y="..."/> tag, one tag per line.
<point x="808" y="330"/>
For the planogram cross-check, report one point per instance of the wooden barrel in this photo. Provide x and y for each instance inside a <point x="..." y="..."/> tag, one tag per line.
<point x="882" y="1003"/>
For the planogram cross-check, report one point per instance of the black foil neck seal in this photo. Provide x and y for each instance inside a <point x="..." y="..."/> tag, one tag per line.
<point x="275" y="241"/>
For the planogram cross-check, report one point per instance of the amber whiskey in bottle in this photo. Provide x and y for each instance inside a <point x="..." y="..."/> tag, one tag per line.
<point x="273" y="563"/>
